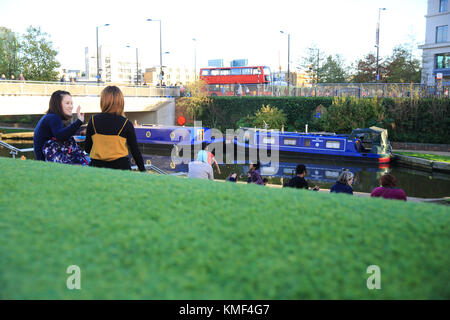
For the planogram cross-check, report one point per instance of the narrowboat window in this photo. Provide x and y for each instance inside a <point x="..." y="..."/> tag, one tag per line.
<point x="290" y="142"/>
<point x="205" y="72"/>
<point x="268" y="171"/>
<point x="269" y="140"/>
<point x="215" y="72"/>
<point x="333" y="144"/>
<point x="236" y="71"/>
<point x="331" y="174"/>
<point x="307" y="142"/>
<point x="288" y="171"/>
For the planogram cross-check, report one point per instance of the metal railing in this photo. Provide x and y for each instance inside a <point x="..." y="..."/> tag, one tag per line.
<point x="13" y="150"/>
<point x="360" y="90"/>
<point x="363" y="90"/>
<point x="42" y="88"/>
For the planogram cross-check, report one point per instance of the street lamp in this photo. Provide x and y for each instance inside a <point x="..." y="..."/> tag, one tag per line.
<point x="195" y="57"/>
<point x="137" y="66"/>
<point x="98" y="58"/>
<point x="289" y="51"/>
<point x="160" y="50"/>
<point x="378" y="40"/>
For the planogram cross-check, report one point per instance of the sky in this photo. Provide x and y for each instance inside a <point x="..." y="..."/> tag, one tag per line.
<point x="228" y="30"/>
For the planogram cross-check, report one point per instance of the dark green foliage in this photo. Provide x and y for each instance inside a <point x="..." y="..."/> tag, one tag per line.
<point x="229" y="110"/>
<point x="401" y="66"/>
<point x="143" y="236"/>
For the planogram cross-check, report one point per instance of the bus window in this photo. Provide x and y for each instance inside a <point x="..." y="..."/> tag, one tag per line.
<point x="215" y="72"/>
<point x="225" y="72"/>
<point x="236" y="71"/>
<point x="214" y="87"/>
<point x="266" y="70"/>
<point x="205" y="72"/>
<point x="256" y="71"/>
<point x="246" y="70"/>
<point x="228" y="88"/>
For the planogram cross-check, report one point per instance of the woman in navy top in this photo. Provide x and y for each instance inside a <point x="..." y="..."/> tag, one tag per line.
<point x="51" y="124"/>
<point x="344" y="183"/>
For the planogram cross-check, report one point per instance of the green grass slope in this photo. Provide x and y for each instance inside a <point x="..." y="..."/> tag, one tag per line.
<point x="143" y="236"/>
<point x="427" y="156"/>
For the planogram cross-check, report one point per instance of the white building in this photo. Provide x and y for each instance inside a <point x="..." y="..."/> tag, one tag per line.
<point x="436" y="50"/>
<point x="117" y="65"/>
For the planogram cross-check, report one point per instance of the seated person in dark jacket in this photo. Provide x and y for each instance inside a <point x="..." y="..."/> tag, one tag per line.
<point x="253" y="174"/>
<point x="299" y="181"/>
<point x="344" y="183"/>
<point x="51" y="124"/>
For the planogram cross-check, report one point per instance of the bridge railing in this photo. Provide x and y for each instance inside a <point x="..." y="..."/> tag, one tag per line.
<point x="30" y="88"/>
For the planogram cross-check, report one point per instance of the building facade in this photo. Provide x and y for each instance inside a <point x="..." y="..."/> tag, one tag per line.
<point x="172" y="76"/>
<point x="436" y="50"/>
<point x="115" y="65"/>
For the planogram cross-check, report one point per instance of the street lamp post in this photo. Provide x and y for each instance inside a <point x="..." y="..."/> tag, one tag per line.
<point x="195" y="57"/>
<point x="289" y="52"/>
<point x="160" y="50"/>
<point x="98" y="57"/>
<point x="378" y="42"/>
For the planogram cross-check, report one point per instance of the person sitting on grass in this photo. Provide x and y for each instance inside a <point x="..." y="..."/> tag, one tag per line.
<point x="388" y="189"/>
<point x="299" y="181"/>
<point x="110" y="133"/>
<point x="253" y="174"/>
<point x="51" y="125"/>
<point x="232" y="177"/>
<point x="200" y="168"/>
<point x="343" y="183"/>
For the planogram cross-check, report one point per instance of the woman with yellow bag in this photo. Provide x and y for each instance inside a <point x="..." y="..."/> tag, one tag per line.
<point x="110" y="133"/>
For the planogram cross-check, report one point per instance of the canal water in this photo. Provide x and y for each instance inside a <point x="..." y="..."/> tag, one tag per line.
<point x="322" y="173"/>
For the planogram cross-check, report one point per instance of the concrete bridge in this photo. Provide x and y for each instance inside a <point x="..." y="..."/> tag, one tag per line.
<point x="146" y="105"/>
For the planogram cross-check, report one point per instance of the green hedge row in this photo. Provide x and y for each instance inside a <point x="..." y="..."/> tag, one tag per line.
<point x="407" y="120"/>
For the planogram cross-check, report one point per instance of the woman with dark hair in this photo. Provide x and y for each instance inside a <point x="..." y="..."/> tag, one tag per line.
<point x="51" y="124"/>
<point x="109" y="134"/>
<point x="388" y="189"/>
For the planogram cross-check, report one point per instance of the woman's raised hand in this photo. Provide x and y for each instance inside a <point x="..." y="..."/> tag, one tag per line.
<point x="80" y="115"/>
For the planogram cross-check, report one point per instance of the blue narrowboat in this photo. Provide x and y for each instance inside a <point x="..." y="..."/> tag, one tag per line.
<point x="362" y="145"/>
<point x="169" y="136"/>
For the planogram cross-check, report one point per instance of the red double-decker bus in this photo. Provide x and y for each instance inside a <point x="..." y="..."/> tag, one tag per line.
<point x="237" y="81"/>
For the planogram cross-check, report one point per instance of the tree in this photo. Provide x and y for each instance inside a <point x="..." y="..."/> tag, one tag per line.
<point x="311" y="61"/>
<point x="272" y="117"/>
<point x="197" y="97"/>
<point x="401" y="66"/>
<point x="9" y="50"/>
<point x="333" y="70"/>
<point x="38" y="57"/>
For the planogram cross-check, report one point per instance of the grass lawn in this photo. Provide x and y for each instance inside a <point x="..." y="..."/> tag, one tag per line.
<point x="433" y="157"/>
<point x="146" y="236"/>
